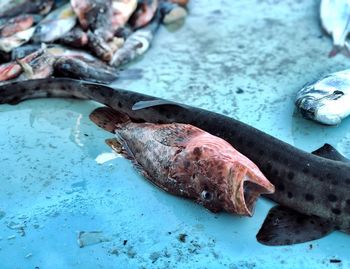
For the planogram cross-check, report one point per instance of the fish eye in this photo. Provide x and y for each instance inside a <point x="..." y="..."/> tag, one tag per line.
<point x="338" y="92"/>
<point x="206" y="195"/>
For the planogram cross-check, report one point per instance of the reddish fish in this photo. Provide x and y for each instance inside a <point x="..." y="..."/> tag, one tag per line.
<point x="188" y="162"/>
<point x="144" y="13"/>
<point x="14" y="69"/>
<point x="17" y="24"/>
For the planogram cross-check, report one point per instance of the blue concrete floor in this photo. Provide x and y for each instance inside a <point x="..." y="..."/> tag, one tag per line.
<point x="242" y="58"/>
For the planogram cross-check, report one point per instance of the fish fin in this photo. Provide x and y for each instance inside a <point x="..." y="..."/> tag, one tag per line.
<point x="329" y="152"/>
<point x="176" y="134"/>
<point x="151" y="103"/>
<point x="130" y="74"/>
<point x="108" y="118"/>
<point x="345" y="50"/>
<point x="119" y="145"/>
<point x="284" y="226"/>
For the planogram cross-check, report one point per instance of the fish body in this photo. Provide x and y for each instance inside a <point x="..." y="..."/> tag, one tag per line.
<point x="9" y="43"/>
<point x="95" y="71"/>
<point x="10" y="8"/>
<point x="55" y="25"/>
<point x="136" y="44"/>
<point x="103" y="49"/>
<point x="188" y="162"/>
<point x="335" y="19"/>
<point x="327" y="100"/>
<point x="144" y="13"/>
<point x="18" y="24"/>
<point x="314" y="187"/>
<point x="122" y="11"/>
<point x="14" y="69"/>
<point x="95" y="15"/>
<point x="172" y="12"/>
<point x="75" y="38"/>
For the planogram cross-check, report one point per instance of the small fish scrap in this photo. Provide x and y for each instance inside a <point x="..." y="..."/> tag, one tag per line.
<point x="188" y="162"/>
<point x="114" y="31"/>
<point x="327" y="100"/>
<point x="335" y="18"/>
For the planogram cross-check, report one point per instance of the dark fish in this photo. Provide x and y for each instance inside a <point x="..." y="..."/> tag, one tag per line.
<point x="187" y="161"/>
<point x="75" y="38"/>
<point x="136" y="44"/>
<point x="95" y="71"/>
<point x="95" y="15"/>
<point x="11" y="8"/>
<point x="23" y="51"/>
<point x="313" y="190"/>
<point x="103" y="49"/>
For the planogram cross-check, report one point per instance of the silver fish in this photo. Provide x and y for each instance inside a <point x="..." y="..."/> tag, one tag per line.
<point x="55" y="25"/>
<point x="335" y="18"/>
<point x="327" y="100"/>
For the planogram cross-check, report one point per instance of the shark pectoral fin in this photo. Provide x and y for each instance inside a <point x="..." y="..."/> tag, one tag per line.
<point x="329" y="152"/>
<point x="285" y="226"/>
<point x="152" y="103"/>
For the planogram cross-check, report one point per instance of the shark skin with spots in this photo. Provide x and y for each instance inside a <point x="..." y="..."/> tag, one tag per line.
<point x="312" y="189"/>
<point x="188" y="162"/>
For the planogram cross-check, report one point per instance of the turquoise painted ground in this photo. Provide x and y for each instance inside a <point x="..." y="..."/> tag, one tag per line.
<point x="242" y="58"/>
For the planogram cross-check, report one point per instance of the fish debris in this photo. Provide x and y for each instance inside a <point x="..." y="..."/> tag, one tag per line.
<point x="188" y="162"/>
<point x="327" y="100"/>
<point x="312" y="188"/>
<point x="335" y="19"/>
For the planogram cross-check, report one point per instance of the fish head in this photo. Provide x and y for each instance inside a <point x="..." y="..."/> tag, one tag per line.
<point x="326" y="100"/>
<point x="44" y="6"/>
<point x="221" y="179"/>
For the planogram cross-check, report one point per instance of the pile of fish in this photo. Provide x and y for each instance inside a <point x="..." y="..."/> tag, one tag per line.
<point x="83" y="39"/>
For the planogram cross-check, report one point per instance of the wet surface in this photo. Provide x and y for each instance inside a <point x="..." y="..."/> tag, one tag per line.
<point x="60" y="181"/>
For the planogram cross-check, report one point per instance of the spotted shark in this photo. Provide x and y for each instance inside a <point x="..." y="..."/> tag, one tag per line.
<point x="312" y="189"/>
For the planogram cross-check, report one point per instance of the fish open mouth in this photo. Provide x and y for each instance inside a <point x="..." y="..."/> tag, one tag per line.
<point x="251" y="192"/>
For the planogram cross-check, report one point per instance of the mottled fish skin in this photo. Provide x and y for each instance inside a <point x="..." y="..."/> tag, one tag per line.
<point x="7" y="44"/>
<point x="10" y="8"/>
<point x="309" y="184"/>
<point x="327" y="100"/>
<point x="189" y="162"/>
<point x="55" y="25"/>
<point x="136" y="44"/>
<point x="335" y="18"/>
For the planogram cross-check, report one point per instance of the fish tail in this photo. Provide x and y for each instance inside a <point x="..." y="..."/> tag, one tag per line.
<point x="130" y="74"/>
<point x="345" y="50"/>
<point x="109" y="119"/>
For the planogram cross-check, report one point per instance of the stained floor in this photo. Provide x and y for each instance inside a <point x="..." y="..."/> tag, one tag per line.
<point x="60" y="182"/>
